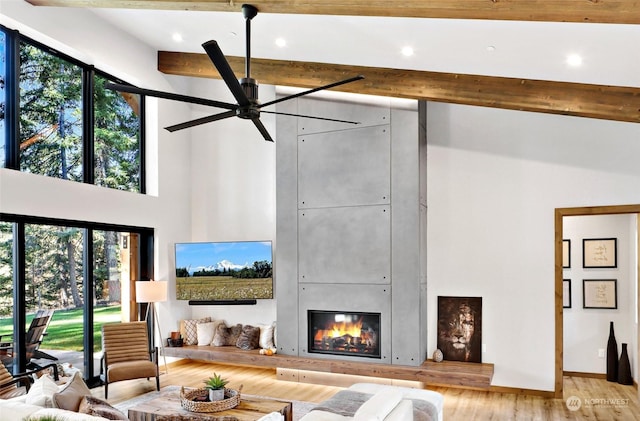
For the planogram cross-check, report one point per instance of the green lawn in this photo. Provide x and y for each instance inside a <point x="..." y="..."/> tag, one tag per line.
<point x="65" y="329"/>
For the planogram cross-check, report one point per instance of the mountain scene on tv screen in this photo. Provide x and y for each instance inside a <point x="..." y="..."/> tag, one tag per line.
<point x="224" y="271"/>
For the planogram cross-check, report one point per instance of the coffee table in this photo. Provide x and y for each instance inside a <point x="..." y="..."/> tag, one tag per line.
<point x="167" y="407"/>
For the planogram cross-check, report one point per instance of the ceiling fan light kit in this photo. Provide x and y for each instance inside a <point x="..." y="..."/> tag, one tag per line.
<point x="244" y="90"/>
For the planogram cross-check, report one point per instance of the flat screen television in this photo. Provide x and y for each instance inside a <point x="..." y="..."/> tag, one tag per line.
<point x="224" y="271"/>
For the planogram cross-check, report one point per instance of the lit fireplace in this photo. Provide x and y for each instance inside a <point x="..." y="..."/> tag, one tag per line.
<point x="344" y="333"/>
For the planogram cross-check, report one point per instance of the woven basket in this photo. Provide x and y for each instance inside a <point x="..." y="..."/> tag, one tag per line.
<point x="231" y="400"/>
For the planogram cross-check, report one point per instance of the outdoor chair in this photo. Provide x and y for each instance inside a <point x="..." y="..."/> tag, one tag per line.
<point x="12" y="386"/>
<point x="33" y="339"/>
<point x="126" y="354"/>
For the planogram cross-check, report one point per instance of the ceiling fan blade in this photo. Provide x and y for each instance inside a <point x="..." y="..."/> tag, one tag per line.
<point x="201" y="120"/>
<point x="220" y="61"/>
<point x="169" y="95"/>
<point x="310" y="91"/>
<point x="310" y="116"/>
<point x="262" y="129"/>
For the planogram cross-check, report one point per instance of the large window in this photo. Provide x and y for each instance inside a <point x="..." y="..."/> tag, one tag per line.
<point x="81" y="273"/>
<point x="6" y="272"/>
<point x="50" y="114"/>
<point x="6" y="292"/>
<point x="116" y="138"/>
<point x="70" y="126"/>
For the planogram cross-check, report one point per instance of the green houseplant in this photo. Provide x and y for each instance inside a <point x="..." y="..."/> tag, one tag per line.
<point x="216" y="386"/>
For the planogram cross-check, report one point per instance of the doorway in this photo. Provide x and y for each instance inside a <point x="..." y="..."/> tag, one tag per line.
<point x="560" y="213"/>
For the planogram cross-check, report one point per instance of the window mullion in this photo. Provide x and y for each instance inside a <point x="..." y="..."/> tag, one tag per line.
<point x="142" y="146"/>
<point x="19" y="294"/>
<point x="88" y="115"/>
<point x="87" y="275"/>
<point x="12" y="101"/>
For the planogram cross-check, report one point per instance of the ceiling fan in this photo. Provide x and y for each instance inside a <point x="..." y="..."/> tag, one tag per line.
<point x="245" y="90"/>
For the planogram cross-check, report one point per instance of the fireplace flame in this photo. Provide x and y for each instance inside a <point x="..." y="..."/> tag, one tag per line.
<point x="337" y="330"/>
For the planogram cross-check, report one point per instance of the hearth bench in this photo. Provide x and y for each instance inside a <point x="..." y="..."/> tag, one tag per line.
<point x="446" y="373"/>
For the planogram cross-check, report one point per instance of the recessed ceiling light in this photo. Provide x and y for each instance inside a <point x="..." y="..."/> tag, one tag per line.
<point x="177" y="37"/>
<point x="574" y="60"/>
<point x="281" y="42"/>
<point x="491" y="48"/>
<point x="407" y="51"/>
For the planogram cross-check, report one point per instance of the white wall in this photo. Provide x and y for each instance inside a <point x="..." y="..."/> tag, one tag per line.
<point x="494" y="180"/>
<point x="587" y="330"/>
<point x="233" y="178"/>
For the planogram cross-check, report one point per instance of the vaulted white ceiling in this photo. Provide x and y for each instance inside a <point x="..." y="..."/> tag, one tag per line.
<point x="533" y="50"/>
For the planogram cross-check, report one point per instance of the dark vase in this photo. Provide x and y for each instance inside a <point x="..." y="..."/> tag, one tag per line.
<point x="612" y="356"/>
<point x="624" y="367"/>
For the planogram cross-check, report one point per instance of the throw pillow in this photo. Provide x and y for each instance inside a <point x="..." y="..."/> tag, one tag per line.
<point x="93" y="406"/>
<point x="378" y="406"/>
<point x="71" y="394"/>
<point x="226" y="336"/>
<point x="249" y="337"/>
<point x="189" y="332"/>
<point x="41" y="392"/>
<point x="266" y="336"/>
<point x="206" y="331"/>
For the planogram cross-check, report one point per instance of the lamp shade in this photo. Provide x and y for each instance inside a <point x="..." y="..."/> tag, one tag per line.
<point x="151" y="291"/>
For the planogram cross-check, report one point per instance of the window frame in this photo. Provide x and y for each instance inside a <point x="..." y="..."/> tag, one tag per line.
<point x="145" y="269"/>
<point x="13" y="39"/>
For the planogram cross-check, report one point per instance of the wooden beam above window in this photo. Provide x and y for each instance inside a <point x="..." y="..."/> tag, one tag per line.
<point x="574" y="99"/>
<point x="594" y="11"/>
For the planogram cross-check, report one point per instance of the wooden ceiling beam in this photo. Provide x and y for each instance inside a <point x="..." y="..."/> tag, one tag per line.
<point x="594" y="11"/>
<point x="574" y="99"/>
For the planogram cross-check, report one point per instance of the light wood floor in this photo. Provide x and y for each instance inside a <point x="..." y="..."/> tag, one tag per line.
<point x="460" y="404"/>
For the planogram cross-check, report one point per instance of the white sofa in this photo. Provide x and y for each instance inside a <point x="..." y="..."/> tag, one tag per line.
<point x="17" y="409"/>
<point x="62" y="401"/>
<point x="366" y="401"/>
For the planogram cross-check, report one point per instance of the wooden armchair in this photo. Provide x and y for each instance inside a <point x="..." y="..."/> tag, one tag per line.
<point x="126" y="354"/>
<point x="11" y="386"/>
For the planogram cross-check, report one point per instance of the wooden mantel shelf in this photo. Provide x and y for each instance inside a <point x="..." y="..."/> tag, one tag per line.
<point x="448" y="373"/>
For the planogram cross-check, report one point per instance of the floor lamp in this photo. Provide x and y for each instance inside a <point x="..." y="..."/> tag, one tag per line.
<point x="153" y="292"/>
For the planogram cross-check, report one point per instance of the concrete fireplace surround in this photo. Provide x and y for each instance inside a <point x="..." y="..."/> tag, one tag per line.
<point x="351" y="237"/>
<point x="351" y="222"/>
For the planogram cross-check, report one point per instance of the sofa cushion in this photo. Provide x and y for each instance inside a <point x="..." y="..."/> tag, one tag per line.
<point x="41" y="392"/>
<point x="379" y="405"/>
<point x="424" y="401"/>
<point x="71" y="394"/>
<point x="249" y="337"/>
<point x="227" y="336"/>
<point x="131" y="370"/>
<point x="402" y="412"/>
<point x="95" y="406"/>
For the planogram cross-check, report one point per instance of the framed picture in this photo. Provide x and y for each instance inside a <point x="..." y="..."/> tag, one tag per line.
<point x="566" y="254"/>
<point x="600" y="293"/>
<point x="566" y="293"/>
<point x="600" y="253"/>
<point x="460" y="328"/>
